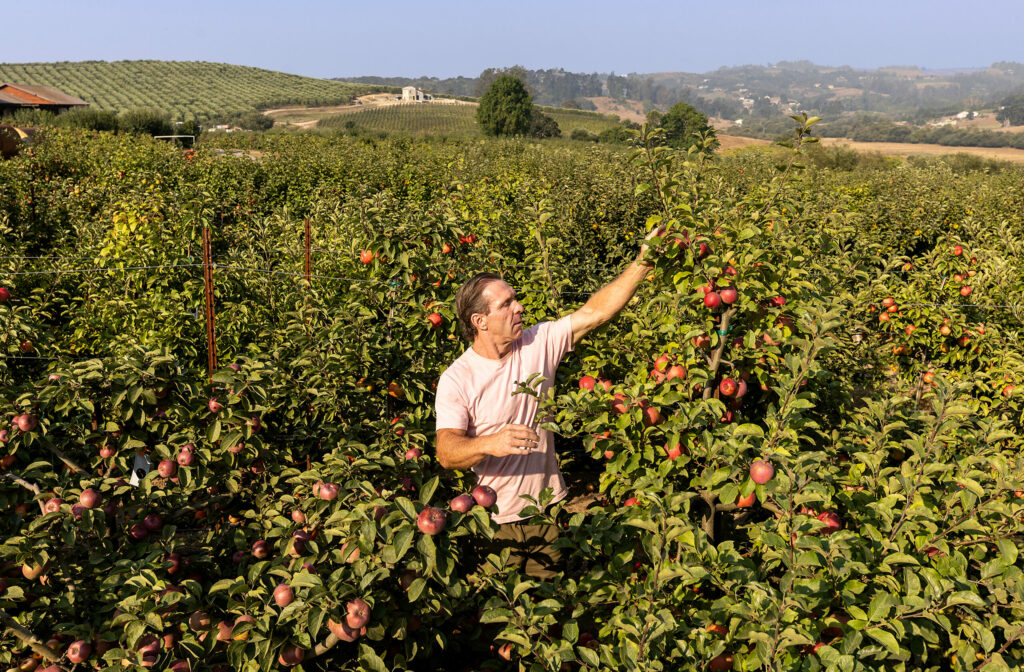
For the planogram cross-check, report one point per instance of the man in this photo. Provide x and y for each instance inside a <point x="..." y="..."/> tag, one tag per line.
<point x="483" y="426"/>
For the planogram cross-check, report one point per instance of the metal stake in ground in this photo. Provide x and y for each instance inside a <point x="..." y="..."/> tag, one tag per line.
<point x="211" y="338"/>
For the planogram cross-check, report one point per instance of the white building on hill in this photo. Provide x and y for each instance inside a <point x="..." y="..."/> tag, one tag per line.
<point x="410" y="94"/>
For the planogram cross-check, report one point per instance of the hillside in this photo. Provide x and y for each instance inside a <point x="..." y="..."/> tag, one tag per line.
<point x="184" y="89"/>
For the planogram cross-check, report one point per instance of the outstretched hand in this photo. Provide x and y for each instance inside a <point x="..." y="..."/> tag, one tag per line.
<point x="656" y="232"/>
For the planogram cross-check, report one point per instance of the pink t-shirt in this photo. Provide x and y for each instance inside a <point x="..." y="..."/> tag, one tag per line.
<point x="475" y="394"/>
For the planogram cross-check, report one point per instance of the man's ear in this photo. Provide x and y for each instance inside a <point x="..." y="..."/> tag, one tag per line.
<point x="478" y="321"/>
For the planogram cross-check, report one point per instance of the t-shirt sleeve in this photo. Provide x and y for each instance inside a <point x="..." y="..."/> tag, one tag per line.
<point x="559" y="340"/>
<point x="449" y="406"/>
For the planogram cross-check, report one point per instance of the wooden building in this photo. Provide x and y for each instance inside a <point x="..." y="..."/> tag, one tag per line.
<point x="17" y="96"/>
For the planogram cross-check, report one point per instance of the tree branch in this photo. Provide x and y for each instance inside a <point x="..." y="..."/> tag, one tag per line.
<point x="28" y="486"/>
<point x="28" y="637"/>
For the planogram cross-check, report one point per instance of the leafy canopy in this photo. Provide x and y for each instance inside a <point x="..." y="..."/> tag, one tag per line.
<point x="506" y="108"/>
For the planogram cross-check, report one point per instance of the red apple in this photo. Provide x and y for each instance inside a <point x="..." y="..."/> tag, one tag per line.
<point x="329" y="491"/>
<point x="662" y="362"/>
<point x="741" y="389"/>
<point x="651" y="414"/>
<point x="431" y="520"/>
<point x="199" y="621"/>
<point x="761" y="472"/>
<point x="728" y="387"/>
<point x="167" y="468"/>
<point x="261" y="549"/>
<point x="618" y="403"/>
<point x="241" y="636"/>
<point x="5" y="295"/>
<point x="413" y="454"/>
<point x="53" y="505"/>
<point x="79" y="651"/>
<point x="180" y="666"/>
<point x="108" y="451"/>
<point x="832" y="521"/>
<point x="435" y="320"/>
<point x="712" y="300"/>
<point x="357" y="614"/>
<point x="729" y="295"/>
<point x="90" y="498"/>
<point x="26" y="422"/>
<point x="957" y="250"/>
<point x="186" y="457"/>
<point x="298" y="516"/>
<point x="675" y="371"/>
<point x="631" y="501"/>
<point x="153" y="522"/>
<point x="283" y="595"/>
<point x="965" y="290"/>
<point x="366" y="256"/>
<point x="1008" y="390"/>
<point x="721" y="663"/>
<point x="587" y="383"/>
<point x="484" y="495"/>
<point x="673" y="452"/>
<point x="745" y="502"/>
<point x="461" y="503"/>
<point x="292" y="654"/>
<point x="214" y="405"/>
<point x="26" y="347"/>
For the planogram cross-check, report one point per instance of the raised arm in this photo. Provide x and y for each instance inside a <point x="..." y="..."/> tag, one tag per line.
<point x="455" y="450"/>
<point x="609" y="301"/>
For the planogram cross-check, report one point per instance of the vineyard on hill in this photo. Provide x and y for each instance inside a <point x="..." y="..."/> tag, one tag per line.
<point x="184" y="89"/>
<point x="798" y="448"/>
<point x="421" y="119"/>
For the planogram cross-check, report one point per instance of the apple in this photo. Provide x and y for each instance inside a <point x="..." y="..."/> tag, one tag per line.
<point x="461" y="503"/>
<point x="3" y="435"/>
<point x="52" y="505"/>
<point x="702" y="341"/>
<point x="741" y="389"/>
<point x="928" y="377"/>
<point x="298" y="516"/>
<point x="167" y="468"/>
<point x="717" y="629"/>
<point x="343" y="632"/>
<point x="745" y="502"/>
<point x="778" y="301"/>
<point x="261" y="549"/>
<point x="79" y="651"/>
<point x="675" y="371"/>
<point x="7" y="460"/>
<point x="631" y="501"/>
<point x="484" y="495"/>
<point x="175" y="560"/>
<point x="435" y="320"/>
<point x="727" y="417"/>
<point x="26" y="347"/>
<point x="662" y="362"/>
<point x="366" y="256"/>
<point x="712" y="300"/>
<point x="292" y="654"/>
<point x="186" y="457"/>
<point x="957" y="250"/>
<point x="1008" y="390"/>
<point x="241" y="636"/>
<point x="587" y="383"/>
<point x="618" y="403"/>
<point x="673" y="452"/>
<point x="413" y="454"/>
<point x="888" y="301"/>
<point x="90" y="498"/>
<point x="431" y="520"/>
<point x="446" y="249"/>
<point x="33" y="572"/>
<point x="180" y="666"/>
<point x="958" y="277"/>
<point x="26" y="422"/>
<point x="965" y="290"/>
<point x="329" y="491"/>
<point x="729" y="295"/>
<point x="5" y="295"/>
<point x="832" y="521"/>
<point x="108" y="451"/>
<point x="199" y="621"/>
<point x="214" y="405"/>
<point x="505" y="651"/>
<point x="761" y="472"/>
<point x="945" y="330"/>
<point x="728" y="387"/>
<point x="357" y="614"/>
<point x="909" y="329"/>
<point x="720" y="663"/>
<point x="236" y="449"/>
<point x="606" y="384"/>
<point x="153" y="522"/>
<point x="651" y="414"/>
<point x="283" y="595"/>
<point x="224" y="631"/>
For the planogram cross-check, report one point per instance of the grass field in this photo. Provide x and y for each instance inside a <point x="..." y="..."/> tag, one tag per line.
<point x="184" y="89"/>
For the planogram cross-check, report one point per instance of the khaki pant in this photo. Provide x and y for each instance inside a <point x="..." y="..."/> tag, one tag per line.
<point x="531" y="546"/>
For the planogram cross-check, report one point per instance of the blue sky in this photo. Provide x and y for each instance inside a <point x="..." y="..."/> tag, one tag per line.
<point x="461" y="37"/>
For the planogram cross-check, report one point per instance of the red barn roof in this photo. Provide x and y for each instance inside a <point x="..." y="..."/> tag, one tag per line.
<point x="33" y="96"/>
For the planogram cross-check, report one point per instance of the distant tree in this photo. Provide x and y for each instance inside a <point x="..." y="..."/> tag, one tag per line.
<point x="489" y="76"/>
<point x="617" y="135"/>
<point x="681" y="122"/>
<point x="543" y="126"/>
<point x="570" y="105"/>
<point x="506" y="108"/>
<point x="144" y="120"/>
<point x="1012" y="112"/>
<point x="89" y="119"/>
<point x="253" y="121"/>
<point x="582" y="135"/>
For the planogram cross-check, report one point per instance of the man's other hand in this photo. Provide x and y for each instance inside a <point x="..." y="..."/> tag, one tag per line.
<point x="656" y="232"/>
<point x="514" y="440"/>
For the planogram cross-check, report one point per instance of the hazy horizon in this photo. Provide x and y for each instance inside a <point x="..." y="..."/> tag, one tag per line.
<point x="460" y="38"/>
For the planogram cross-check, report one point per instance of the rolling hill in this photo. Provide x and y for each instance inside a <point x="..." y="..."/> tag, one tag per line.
<point x="184" y="89"/>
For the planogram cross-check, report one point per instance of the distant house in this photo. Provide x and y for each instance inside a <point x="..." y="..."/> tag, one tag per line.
<point x="17" y="96"/>
<point x="410" y="94"/>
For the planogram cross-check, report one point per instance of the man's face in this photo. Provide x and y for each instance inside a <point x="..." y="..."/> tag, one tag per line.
<point x="504" y="322"/>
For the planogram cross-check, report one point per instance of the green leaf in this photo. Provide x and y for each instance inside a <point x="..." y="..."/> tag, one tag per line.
<point x="427" y="491"/>
<point x="588" y="656"/>
<point x="966" y="597"/>
<point x="749" y="429"/>
<point x="370" y="659"/>
<point x="884" y="638"/>
<point x="416" y="588"/>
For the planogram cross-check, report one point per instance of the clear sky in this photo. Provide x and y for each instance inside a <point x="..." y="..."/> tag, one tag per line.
<point x="445" y="38"/>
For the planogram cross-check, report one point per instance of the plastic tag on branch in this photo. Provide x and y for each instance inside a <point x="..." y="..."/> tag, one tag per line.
<point x="139" y="469"/>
